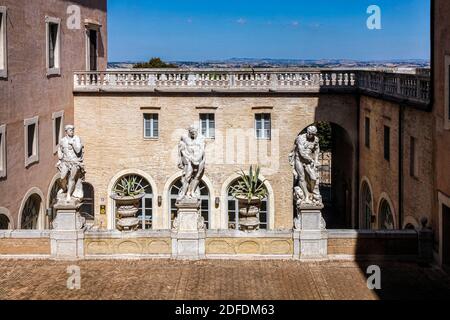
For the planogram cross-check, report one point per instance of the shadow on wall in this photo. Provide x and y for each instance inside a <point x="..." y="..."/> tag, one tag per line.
<point x="337" y="119"/>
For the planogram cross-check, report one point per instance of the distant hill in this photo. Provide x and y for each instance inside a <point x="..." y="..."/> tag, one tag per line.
<point x="289" y="63"/>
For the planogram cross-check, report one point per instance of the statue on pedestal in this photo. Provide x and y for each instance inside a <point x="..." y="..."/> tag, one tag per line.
<point x="305" y="161"/>
<point x="70" y="194"/>
<point x="71" y="168"/>
<point x="192" y="161"/>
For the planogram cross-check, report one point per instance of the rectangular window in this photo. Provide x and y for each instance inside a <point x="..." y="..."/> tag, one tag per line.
<point x="31" y="147"/>
<point x="414" y="159"/>
<point x="58" y="129"/>
<point x="263" y="125"/>
<point x="31" y="132"/>
<point x="367" y="132"/>
<point x="151" y="126"/>
<point x="208" y="125"/>
<point x="2" y="151"/>
<point x="387" y="143"/>
<point x="92" y="46"/>
<point x="53" y="30"/>
<point x="3" y="51"/>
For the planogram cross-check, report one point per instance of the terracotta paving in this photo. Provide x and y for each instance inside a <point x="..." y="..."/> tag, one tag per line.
<point x="218" y="280"/>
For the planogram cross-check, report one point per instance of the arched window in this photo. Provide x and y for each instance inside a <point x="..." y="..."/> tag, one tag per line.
<point x="30" y="213"/>
<point x="366" y="206"/>
<point x="233" y="212"/>
<point x="4" y="222"/>
<point x="88" y="208"/>
<point x="204" y="197"/>
<point x="386" y="217"/>
<point x="145" y="213"/>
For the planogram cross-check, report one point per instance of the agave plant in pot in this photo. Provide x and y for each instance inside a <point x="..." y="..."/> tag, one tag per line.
<point x="250" y="191"/>
<point x="127" y="194"/>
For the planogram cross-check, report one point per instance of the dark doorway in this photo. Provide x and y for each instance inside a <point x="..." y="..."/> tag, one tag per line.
<point x="336" y="174"/>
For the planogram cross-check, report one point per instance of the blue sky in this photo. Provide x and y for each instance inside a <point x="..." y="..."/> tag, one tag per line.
<point x="199" y="30"/>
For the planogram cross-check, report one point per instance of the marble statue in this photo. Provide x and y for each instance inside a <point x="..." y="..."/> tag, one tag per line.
<point x="305" y="161"/>
<point x="71" y="167"/>
<point x="192" y="161"/>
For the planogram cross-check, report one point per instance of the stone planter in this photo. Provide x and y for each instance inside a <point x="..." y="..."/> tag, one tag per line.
<point x="126" y="210"/>
<point x="249" y="213"/>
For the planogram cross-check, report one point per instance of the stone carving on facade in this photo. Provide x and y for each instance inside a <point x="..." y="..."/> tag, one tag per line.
<point x="71" y="168"/>
<point x="305" y="161"/>
<point x="192" y="161"/>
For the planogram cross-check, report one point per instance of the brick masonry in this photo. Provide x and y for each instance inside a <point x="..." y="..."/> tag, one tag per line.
<point x="383" y="175"/>
<point x="111" y="127"/>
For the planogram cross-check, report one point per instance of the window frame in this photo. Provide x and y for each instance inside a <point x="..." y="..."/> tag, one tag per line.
<point x="263" y="128"/>
<point x="91" y="27"/>
<point x="56" y="70"/>
<point x="3" y="43"/>
<point x="208" y="125"/>
<point x="34" y="157"/>
<point x="56" y="140"/>
<point x="3" y="163"/>
<point x="152" y="128"/>
<point x="141" y="215"/>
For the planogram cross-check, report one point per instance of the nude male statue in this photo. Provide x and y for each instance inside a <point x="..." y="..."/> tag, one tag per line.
<point x="192" y="161"/>
<point x="305" y="160"/>
<point x="71" y="166"/>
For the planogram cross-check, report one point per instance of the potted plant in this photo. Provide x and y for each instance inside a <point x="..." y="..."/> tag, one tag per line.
<point x="250" y="192"/>
<point x="127" y="194"/>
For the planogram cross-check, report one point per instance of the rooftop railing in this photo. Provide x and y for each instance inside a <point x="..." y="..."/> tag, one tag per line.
<point x="408" y="87"/>
<point x="399" y="86"/>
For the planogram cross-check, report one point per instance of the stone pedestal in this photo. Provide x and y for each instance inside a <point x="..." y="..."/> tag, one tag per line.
<point x="310" y="234"/>
<point x="67" y="236"/>
<point x="188" y="237"/>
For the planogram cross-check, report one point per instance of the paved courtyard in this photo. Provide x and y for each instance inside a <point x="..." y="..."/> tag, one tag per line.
<point x="218" y="280"/>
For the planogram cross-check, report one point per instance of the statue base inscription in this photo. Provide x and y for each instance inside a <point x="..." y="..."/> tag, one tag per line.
<point x="67" y="235"/>
<point x="310" y="234"/>
<point x="188" y="238"/>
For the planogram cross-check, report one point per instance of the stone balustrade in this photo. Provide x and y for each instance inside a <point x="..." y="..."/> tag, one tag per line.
<point x="175" y="80"/>
<point x="404" y="87"/>
<point x="407" y="87"/>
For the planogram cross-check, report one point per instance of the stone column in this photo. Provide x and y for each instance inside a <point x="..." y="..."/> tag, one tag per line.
<point x="188" y="237"/>
<point x="67" y="236"/>
<point x="310" y="234"/>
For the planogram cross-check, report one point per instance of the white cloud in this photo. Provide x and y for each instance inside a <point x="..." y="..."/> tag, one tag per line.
<point x="241" y="21"/>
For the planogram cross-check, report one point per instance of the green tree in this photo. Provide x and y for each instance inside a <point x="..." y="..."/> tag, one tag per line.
<point x="325" y="132"/>
<point x="154" y="63"/>
<point x="325" y="135"/>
